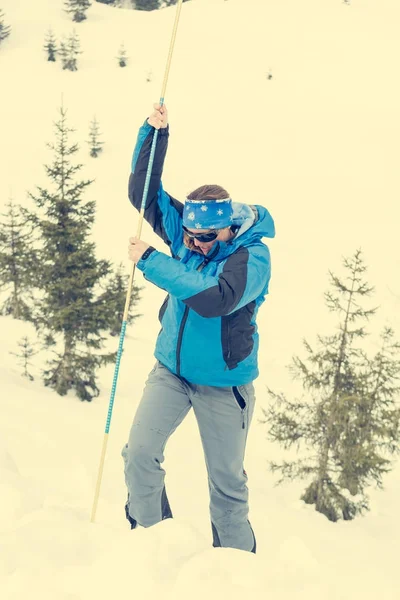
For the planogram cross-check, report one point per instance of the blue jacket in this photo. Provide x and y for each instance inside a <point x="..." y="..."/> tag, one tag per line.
<point x="208" y="319"/>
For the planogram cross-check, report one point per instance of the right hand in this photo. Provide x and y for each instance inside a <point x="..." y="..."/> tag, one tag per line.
<point x="159" y="118"/>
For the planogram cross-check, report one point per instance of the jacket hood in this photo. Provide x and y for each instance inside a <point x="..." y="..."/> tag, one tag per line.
<point x="254" y="221"/>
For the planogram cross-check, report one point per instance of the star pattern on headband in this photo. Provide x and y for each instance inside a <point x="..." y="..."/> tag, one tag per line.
<point x="211" y="215"/>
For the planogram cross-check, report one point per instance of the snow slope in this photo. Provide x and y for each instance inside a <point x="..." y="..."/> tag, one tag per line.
<point x="318" y="145"/>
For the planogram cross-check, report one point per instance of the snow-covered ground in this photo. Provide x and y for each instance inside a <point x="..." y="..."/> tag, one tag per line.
<point x="318" y="145"/>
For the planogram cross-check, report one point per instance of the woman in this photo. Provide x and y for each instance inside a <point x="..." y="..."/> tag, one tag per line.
<point x="216" y="277"/>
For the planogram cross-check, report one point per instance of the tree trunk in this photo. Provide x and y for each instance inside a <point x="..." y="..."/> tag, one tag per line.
<point x="64" y="376"/>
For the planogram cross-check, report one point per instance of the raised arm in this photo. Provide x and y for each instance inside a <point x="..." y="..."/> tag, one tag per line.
<point x="162" y="211"/>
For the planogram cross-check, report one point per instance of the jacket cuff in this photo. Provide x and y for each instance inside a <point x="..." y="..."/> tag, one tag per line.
<point x="161" y="131"/>
<point x="141" y="263"/>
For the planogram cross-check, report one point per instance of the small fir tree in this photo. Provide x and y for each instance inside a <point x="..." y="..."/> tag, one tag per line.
<point x="72" y="317"/>
<point x="5" y="29"/>
<point x="122" y="57"/>
<point x="50" y="46"/>
<point x="349" y="426"/>
<point x="371" y="432"/>
<point x="114" y="299"/>
<point x="27" y="351"/>
<point x="149" y="77"/>
<point x="69" y="51"/>
<point x="94" y="143"/>
<point x="17" y="262"/>
<point x="63" y="52"/>
<point x="77" y="8"/>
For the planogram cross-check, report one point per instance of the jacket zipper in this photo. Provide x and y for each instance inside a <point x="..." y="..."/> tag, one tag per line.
<point x="179" y="342"/>
<point x="183" y="323"/>
<point x="228" y="335"/>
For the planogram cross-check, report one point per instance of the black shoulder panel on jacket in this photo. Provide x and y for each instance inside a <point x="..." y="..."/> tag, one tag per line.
<point x="223" y="298"/>
<point x="138" y="178"/>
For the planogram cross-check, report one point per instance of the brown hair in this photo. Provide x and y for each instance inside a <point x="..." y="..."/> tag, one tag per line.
<point x="209" y="192"/>
<point x="204" y="192"/>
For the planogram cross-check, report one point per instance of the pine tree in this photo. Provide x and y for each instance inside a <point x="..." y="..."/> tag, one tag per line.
<point x="77" y="8"/>
<point x="122" y="57"/>
<point x="27" y="351"/>
<point x="72" y="316"/>
<point x="94" y="143"/>
<point x="50" y="46"/>
<point x="371" y="432"/>
<point x="114" y="299"/>
<point x="17" y="262"/>
<point x="5" y="30"/>
<point x="349" y="426"/>
<point x="69" y="51"/>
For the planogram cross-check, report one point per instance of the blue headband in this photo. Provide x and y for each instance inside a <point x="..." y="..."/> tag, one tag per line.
<point x="208" y="214"/>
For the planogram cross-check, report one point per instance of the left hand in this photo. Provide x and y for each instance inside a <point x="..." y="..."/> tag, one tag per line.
<point x="136" y="249"/>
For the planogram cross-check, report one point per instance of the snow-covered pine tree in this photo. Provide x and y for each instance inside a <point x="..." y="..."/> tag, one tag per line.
<point x="50" y="46"/>
<point x="17" y="262"/>
<point x="77" y="8"/>
<point x="348" y="427"/>
<point x="69" y="51"/>
<point x="114" y="299"/>
<point x="72" y="317"/>
<point x="5" y="29"/>
<point x="122" y="57"/>
<point x="27" y="351"/>
<point x="94" y="142"/>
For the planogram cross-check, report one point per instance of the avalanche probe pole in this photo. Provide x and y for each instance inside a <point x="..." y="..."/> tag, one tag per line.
<point x="128" y="296"/>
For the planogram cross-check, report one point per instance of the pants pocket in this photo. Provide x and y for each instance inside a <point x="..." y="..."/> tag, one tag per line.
<point x="239" y="397"/>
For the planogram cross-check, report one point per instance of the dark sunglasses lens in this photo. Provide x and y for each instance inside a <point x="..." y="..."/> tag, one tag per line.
<point x="207" y="237"/>
<point x="202" y="237"/>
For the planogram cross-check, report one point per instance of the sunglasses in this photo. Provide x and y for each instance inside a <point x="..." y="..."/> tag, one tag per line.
<point x="210" y="236"/>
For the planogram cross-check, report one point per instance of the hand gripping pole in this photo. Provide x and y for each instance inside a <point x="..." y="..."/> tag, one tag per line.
<point x="132" y="274"/>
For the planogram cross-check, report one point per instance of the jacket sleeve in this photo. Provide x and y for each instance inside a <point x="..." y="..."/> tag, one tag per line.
<point x="162" y="211"/>
<point x="244" y="277"/>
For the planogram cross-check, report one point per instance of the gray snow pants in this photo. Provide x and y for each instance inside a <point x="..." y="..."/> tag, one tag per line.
<point x="223" y="415"/>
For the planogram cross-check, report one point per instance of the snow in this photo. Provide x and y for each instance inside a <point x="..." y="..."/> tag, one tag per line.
<point x="318" y="145"/>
